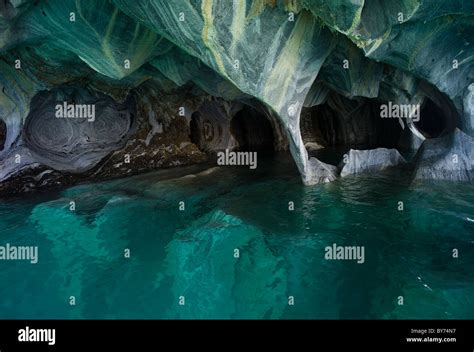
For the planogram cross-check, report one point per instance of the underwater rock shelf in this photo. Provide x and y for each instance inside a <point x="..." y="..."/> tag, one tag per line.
<point x="98" y="89"/>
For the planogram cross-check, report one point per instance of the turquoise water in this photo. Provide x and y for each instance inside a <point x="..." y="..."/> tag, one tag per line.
<point x="190" y="253"/>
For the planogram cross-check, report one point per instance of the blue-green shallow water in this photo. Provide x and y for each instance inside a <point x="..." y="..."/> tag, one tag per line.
<point x="191" y="253"/>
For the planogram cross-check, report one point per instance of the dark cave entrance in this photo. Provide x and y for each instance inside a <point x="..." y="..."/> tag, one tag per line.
<point x="348" y="123"/>
<point x="195" y="130"/>
<point x="3" y="134"/>
<point x="330" y="129"/>
<point x="252" y="131"/>
<point x="432" y="121"/>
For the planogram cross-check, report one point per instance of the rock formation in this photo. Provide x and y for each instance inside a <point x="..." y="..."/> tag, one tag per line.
<point x="374" y="160"/>
<point x="447" y="158"/>
<point x="174" y="80"/>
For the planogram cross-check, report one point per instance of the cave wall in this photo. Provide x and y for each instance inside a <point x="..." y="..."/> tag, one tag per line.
<point x="280" y="56"/>
<point x="74" y="144"/>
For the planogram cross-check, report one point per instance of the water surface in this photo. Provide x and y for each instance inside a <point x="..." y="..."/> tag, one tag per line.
<point x="191" y="253"/>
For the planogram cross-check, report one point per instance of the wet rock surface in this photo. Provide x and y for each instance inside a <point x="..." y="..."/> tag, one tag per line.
<point x="170" y="80"/>
<point x="446" y="158"/>
<point x="322" y="172"/>
<point x="374" y="160"/>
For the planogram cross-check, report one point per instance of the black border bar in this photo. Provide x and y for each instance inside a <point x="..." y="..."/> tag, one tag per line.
<point x="327" y="335"/>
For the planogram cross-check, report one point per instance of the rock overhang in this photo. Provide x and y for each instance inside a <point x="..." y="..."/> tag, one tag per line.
<point x="278" y="52"/>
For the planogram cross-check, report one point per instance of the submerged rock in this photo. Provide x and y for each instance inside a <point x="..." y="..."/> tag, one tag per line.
<point x="196" y="258"/>
<point x="447" y="158"/>
<point x="373" y="160"/>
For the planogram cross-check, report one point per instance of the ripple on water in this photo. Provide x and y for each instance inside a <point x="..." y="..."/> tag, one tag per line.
<point x="408" y="253"/>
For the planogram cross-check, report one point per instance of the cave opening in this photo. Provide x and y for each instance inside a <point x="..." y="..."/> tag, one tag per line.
<point x="432" y="121"/>
<point x="252" y="131"/>
<point x="341" y="123"/>
<point x="3" y="134"/>
<point x="195" y="130"/>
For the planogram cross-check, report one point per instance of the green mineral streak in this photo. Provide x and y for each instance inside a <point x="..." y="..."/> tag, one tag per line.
<point x="252" y="44"/>
<point x="100" y="34"/>
<point x="243" y="49"/>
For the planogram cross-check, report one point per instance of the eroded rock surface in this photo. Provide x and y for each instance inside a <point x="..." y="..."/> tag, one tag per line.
<point x="334" y="60"/>
<point x="76" y="144"/>
<point x="447" y="158"/>
<point x="374" y="160"/>
<point x="322" y="172"/>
